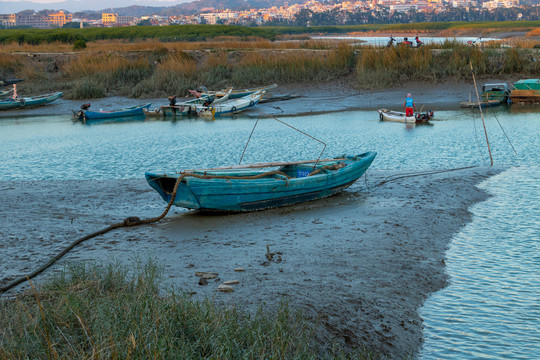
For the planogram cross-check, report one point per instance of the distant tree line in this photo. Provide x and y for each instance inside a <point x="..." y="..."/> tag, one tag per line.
<point x="164" y="33"/>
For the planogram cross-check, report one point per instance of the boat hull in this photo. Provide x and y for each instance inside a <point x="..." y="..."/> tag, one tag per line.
<point x="186" y="108"/>
<point x="178" y="110"/>
<point x="233" y="195"/>
<point x="482" y="103"/>
<point x="235" y="93"/>
<point x="95" y="115"/>
<point x="26" y="102"/>
<point x="230" y="107"/>
<point x="525" y="96"/>
<point x="396" y="116"/>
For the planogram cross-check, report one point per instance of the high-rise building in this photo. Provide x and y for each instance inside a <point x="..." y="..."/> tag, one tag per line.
<point x="8" y="20"/>
<point x="59" y="19"/>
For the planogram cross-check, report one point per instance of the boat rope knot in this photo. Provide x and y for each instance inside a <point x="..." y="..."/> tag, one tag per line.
<point x="132" y="221"/>
<point x="328" y="167"/>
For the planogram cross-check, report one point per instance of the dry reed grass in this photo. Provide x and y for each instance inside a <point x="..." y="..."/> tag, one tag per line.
<point x="533" y="33"/>
<point x="8" y="64"/>
<point x="524" y="43"/>
<point x="153" y="68"/>
<point x="230" y="43"/>
<point x="54" y="47"/>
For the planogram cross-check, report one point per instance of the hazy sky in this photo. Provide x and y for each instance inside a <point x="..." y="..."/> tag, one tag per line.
<point x="78" y="5"/>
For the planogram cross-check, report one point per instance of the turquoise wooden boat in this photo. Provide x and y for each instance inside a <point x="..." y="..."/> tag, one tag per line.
<point x="260" y="186"/>
<point x="29" y="101"/>
<point x="92" y="115"/>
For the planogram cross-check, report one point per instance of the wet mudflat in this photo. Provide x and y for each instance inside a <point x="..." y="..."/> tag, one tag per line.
<point x="361" y="263"/>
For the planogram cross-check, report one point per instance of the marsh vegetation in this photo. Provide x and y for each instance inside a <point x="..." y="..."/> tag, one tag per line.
<point x="113" y="311"/>
<point x="151" y="67"/>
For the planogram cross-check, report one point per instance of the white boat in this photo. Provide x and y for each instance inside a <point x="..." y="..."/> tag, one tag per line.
<point x="397" y="116"/>
<point x="230" y="107"/>
<point x="185" y="108"/>
<point x="235" y="94"/>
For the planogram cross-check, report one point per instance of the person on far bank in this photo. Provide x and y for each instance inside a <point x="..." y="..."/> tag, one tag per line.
<point x="409" y="106"/>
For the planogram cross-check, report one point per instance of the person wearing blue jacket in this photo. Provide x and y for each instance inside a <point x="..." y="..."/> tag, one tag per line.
<point x="409" y="106"/>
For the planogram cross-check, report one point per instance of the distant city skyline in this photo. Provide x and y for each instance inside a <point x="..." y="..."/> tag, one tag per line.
<point x="79" y="5"/>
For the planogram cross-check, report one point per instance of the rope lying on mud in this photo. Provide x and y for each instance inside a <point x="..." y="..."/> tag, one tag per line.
<point x="129" y="222"/>
<point x="135" y="221"/>
<point x="419" y="173"/>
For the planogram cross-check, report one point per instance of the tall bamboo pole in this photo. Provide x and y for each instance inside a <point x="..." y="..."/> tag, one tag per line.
<point x="481" y="114"/>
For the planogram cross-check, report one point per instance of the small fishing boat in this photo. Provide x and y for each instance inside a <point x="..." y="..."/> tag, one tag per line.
<point x="230" y="107"/>
<point x="30" y="101"/>
<point x="491" y="95"/>
<point x="153" y="113"/>
<point x="397" y="116"/>
<point x="260" y="186"/>
<point x="186" y="108"/>
<point x="85" y="114"/>
<point x="235" y="94"/>
<point x="498" y="92"/>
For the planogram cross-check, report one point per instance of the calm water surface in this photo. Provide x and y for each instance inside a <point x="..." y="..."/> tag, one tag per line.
<point x="383" y="40"/>
<point x="491" y="308"/>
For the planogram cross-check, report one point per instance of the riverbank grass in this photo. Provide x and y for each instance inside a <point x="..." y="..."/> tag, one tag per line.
<point x="111" y="311"/>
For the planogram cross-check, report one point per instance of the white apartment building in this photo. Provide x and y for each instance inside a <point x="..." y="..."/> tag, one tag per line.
<point x="403" y="7"/>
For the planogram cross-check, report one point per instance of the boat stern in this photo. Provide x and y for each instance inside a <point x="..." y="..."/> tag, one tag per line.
<point x="164" y="185"/>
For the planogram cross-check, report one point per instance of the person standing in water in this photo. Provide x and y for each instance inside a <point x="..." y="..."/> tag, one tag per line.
<point x="409" y="106"/>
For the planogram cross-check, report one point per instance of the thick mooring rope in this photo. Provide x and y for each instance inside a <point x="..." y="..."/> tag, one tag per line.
<point x="129" y="222"/>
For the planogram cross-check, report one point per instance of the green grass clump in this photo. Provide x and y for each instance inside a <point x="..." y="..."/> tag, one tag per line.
<point x="87" y="90"/>
<point x="110" y="311"/>
<point x="163" y="33"/>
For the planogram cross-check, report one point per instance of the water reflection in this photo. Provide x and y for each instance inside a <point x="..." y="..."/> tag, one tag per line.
<point x="383" y="40"/>
<point x="118" y="119"/>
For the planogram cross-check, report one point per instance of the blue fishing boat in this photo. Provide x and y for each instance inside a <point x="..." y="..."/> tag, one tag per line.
<point x="28" y="101"/>
<point x="260" y="186"/>
<point x="85" y="114"/>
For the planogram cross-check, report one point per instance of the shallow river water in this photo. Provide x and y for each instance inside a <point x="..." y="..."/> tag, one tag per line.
<point x="492" y="305"/>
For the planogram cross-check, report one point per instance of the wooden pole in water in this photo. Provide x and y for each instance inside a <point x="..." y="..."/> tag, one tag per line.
<point x="481" y="114"/>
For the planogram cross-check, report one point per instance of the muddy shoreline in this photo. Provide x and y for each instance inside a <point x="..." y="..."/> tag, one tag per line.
<point x="360" y="264"/>
<point x="314" y="98"/>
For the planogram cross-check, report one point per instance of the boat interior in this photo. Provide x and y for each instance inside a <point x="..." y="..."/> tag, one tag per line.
<point x="285" y="172"/>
